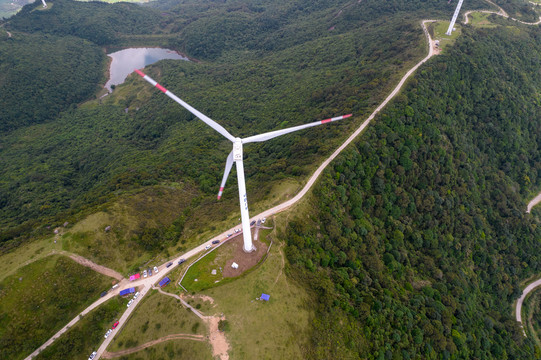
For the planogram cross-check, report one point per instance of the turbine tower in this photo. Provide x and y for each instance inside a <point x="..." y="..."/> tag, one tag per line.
<point x="453" y="20"/>
<point x="236" y="154"/>
<point x="44" y="4"/>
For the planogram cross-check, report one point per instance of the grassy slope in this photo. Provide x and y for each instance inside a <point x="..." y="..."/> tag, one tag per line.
<point x="276" y="329"/>
<point x="57" y="289"/>
<point x="85" y="337"/>
<point x="157" y="316"/>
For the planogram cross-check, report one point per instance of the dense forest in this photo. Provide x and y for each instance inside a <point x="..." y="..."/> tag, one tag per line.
<point x="420" y="238"/>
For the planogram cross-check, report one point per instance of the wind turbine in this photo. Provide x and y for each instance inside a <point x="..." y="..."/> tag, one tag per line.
<point x="44" y="4"/>
<point x="236" y="154"/>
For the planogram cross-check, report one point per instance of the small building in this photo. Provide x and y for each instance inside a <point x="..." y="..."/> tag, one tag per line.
<point x="235" y="265"/>
<point x="265" y="297"/>
<point x="127" y="291"/>
<point x="437" y="42"/>
<point x="164" y="282"/>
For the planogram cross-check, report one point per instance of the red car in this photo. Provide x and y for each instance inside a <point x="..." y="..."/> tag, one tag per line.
<point x="115" y="325"/>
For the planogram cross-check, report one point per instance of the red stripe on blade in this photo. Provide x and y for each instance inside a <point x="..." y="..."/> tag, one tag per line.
<point x="140" y="72"/>
<point x="325" y="121"/>
<point x="221" y="189"/>
<point x="161" y="88"/>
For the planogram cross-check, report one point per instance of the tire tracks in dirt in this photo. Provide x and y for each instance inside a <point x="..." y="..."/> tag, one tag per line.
<point x="112" y="355"/>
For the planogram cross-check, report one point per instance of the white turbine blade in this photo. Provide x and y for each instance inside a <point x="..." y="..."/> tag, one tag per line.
<point x="273" y="134"/>
<point x="213" y="124"/>
<point x="228" y="166"/>
<point x="244" y="214"/>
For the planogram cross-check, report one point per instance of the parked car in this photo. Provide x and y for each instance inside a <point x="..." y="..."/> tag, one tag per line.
<point x="228" y="235"/>
<point x="263" y="220"/>
<point x="129" y="303"/>
<point x="92" y="356"/>
<point x="216" y="242"/>
<point x="136" y="295"/>
<point x="156" y="269"/>
<point x="252" y="223"/>
<point x="115" y="325"/>
<point x="149" y="272"/>
<point x="181" y="261"/>
<point x="107" y="333"/>
<point x="103" y="294"/>
<point x="207" y="247"/>
<point x="168" y="265"/>
<point x="145" y="274"/>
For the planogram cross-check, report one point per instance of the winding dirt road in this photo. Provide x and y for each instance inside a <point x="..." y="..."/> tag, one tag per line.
<point x="501" y="12"/>
<point x="520" y="301"/>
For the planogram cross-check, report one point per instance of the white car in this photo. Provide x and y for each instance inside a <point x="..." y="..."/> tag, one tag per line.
<point x="207" y="247"/>
<point x="92" y="356"/>
<point x="145" y="274"/>
<point x="107" y="333"/>
<point x="155" y="269"/>
<point x="263" y="220"/>
<point x="129" y="303"/>
<point x="136" y="295"/>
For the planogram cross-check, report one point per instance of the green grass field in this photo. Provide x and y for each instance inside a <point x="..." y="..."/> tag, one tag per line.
<point x="439" y="30"/>
<point x="87" y="334"/>
<point x="40" y="298"/>
<point x="156" y="316"/>
<point x="277" y="329"/>
<point x="173" y="349"/>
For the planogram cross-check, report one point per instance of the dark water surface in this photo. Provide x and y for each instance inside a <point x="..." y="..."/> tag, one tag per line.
<point x="127" y="60"/>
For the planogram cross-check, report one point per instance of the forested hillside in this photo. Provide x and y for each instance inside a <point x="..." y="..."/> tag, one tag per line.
<point x="312" y="60"/>
<point x="420" y="237"/>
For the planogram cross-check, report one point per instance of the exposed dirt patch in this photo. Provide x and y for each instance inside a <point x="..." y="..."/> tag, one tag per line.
<point x="98" y="268"/>
<point x="217" y="339"/>
<point x="244" y="260"/>
<point x="111" y="355"/>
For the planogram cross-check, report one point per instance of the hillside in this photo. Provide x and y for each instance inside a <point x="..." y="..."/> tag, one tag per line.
<point x="312" y="61"/>
<point x="412" y="245"/>
<point x="420" y="238"/>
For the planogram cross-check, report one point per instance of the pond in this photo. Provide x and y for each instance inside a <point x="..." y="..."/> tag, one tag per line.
<point x="127" y="60"/>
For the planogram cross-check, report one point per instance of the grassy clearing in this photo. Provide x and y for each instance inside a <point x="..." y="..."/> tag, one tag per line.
<point x="200" y="277"/>
<point x="157" y="315"/>
<point x="277" y="329"/>
<point x="440" y="28"/>
<point x="478" y="19"/>
<point x="41" y="298"/>
<point x="174" y="349"/>
<point x="24" y="255"/>
<point x="87" y="334"/>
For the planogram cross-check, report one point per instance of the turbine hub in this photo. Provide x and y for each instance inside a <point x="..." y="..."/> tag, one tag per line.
<point x="237" y="150"/>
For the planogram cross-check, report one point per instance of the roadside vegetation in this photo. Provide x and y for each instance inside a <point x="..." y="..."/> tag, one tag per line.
<point x="41" y="298"/>
<point x="157" y="316"/>
<point x="85" y="337"/>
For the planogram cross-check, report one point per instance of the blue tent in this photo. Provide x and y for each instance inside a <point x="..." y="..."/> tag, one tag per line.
<point x="265" y="297"/>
